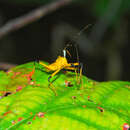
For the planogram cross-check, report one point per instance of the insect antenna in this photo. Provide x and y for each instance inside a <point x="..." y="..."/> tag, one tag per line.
<point x="75" y="37"/>
<point x="69" y="44"/>
<point x="72" y="43"/>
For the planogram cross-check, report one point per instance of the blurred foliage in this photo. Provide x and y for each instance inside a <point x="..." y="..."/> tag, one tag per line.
<point x="100" y="6"/>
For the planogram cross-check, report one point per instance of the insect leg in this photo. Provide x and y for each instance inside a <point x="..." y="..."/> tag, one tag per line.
<point x="80" y="73"/>
<point x="75" y="65"/>
<point x="75" y="68"/>
<point x="50" y="84"/>
<point x="78" y="70"/>
<point x="46" y="66"/>
<point x="53" y="74"/>
<point x="41" y="63"/>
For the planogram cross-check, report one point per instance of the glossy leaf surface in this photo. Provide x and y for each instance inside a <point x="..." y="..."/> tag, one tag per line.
<point x="34" y="105"/>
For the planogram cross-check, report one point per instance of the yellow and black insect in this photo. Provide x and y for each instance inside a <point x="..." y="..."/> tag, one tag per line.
<point x="62" y="63"/>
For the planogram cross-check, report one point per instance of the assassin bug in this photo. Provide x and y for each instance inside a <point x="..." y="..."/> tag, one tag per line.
<point x="62" y="63"/>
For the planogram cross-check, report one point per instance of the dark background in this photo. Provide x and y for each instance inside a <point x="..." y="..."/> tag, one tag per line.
<point x="104" y="46"/>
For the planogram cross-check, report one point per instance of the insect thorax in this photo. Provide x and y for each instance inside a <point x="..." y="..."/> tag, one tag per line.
<point x="60" y="63"/>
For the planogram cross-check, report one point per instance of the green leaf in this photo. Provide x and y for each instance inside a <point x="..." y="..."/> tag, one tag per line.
<point x="90" y="105"/>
